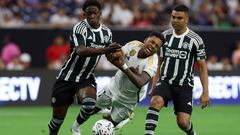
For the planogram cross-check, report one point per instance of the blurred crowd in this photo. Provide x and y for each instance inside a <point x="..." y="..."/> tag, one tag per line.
<point x="115" y="13"/>
<point x="13" y="58"/>
<point x="120" y="13"/>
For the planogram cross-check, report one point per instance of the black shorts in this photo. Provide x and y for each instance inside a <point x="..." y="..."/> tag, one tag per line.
<point x="63" y="92"/>
<point x="180" y="95"/>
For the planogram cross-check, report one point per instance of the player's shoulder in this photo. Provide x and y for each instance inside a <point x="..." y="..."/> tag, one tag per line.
<point x="80" y="27"/>
<point x="168" y="32"/>
<point x="193" y="35"/>
<point x="82" y="23"/>
<point x="105" y="27"/>
<point x="134" y="43"/>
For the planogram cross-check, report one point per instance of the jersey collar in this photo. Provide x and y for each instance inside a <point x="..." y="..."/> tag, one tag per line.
<point x="182" y="35"/>
<point x="93" y="29"/>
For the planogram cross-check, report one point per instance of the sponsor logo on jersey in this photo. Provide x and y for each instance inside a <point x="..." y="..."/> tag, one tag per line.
<point x="174" y="53"/>
<point x="96" y="46"/>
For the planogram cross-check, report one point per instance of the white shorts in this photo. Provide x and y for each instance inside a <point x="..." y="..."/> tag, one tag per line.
<point x="119" y="111"/>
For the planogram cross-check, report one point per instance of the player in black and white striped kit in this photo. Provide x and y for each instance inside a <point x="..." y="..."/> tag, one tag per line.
<point x="182" y="49"/>
<point x="89" y="39"/>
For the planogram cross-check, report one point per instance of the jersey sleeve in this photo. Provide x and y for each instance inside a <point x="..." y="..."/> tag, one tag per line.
<point x="200" y="49"/>
<point x="110" y="37"/>
<point x="78" y="34"/>
<point x="152" y="65"/>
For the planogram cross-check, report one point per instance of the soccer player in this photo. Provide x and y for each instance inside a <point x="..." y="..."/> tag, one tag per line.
<point x="139" y="65"/>
<point x="89" y="39"/>
<point x="182" y="49"/>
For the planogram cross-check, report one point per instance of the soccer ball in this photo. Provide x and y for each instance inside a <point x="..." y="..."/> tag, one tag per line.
<point x="103" y="127"/>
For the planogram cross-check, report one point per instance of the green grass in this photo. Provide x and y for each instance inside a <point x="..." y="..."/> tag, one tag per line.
<point x="216" y="120"/>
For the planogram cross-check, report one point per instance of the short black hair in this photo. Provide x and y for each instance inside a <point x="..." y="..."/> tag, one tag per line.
<point x="157" y="34"/>
<point x="182" y="8"/>
<point x="88" y="3"/>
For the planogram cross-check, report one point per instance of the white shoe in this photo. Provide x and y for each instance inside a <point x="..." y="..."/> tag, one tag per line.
<point x="105" y="111"/>
<point x="75" y="131"/>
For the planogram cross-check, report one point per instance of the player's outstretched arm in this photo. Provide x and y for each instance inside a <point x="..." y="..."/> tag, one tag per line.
<point x="83" y="51"/>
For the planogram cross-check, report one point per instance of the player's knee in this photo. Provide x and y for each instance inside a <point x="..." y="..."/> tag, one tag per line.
<point x="88" y="104"/>
<point x="183" y="123"/>
<point x="157" y="102"/>
<point x="103" y="101"/>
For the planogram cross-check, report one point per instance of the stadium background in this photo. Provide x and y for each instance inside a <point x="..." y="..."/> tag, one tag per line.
<point x="25" y="95"/>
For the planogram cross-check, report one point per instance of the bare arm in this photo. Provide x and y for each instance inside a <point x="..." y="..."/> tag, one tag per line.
<point x="138" y="79"/>
<point x="86" y="52"/>
<point x="156" y="77"/>
<point x="203" y="74"/>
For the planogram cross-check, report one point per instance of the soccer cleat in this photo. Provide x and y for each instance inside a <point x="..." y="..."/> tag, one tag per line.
<point x="132" y="115"/>
<point x="75" y="131"/>
<point x="105" y="111"/>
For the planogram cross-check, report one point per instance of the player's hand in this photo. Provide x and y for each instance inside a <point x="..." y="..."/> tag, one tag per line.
<point x="114" y="47"/>
<point x="116" y="58"/>
<point x="204" y="100"/>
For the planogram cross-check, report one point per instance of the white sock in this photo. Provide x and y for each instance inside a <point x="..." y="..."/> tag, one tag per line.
<point x="75" y="124"/>
<point x="122" y="123"/>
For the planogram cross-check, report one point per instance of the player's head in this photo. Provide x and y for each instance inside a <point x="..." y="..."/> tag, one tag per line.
<point x="180" y="17"/>
<point x="152" y="44"/>
<point x="92" y="11"/>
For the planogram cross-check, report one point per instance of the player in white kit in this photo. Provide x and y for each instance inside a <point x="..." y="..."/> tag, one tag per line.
<point x="138" y="65"/>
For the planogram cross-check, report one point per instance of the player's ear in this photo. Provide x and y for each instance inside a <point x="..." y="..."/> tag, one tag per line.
<point x="145" y="39"/>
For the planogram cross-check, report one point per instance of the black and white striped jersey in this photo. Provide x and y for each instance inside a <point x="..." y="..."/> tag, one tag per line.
<point x="78" y="68"/>
<point x="179" y="55"/>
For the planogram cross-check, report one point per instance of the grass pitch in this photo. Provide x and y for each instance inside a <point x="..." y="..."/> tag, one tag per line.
<point x="216" y="120"/>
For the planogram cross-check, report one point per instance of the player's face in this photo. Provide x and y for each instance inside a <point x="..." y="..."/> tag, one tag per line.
<point x="93" y="15"/>
<point x="179" y="20"/>
<point x="151" y="46"/>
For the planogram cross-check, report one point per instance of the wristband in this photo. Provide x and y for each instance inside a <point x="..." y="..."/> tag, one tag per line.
<point x="124" y="66"/>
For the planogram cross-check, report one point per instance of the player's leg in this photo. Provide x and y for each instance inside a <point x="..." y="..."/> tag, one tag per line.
<point x="104" y="101"/>
<point x="151" y="123"/>
<point x="57" y="119"/>
<point x="158" y="101"/>
<point x="183" y="108"/>
<point x="62" y="97"/>
<point x="183" y="121"/>
<point x="120" y="114"/>
<point x="87" y="100"/>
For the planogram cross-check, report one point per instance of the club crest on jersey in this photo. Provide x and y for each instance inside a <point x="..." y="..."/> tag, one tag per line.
<point x="132" y="52"/>
<point x="185" y="45"/>
<point x="106" y="39"/>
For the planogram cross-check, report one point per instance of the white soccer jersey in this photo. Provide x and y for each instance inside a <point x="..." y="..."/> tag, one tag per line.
<point x="121" y="88"/>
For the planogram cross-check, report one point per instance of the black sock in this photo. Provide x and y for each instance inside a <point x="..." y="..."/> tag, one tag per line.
<point x="189" y="130"/>
<point x="87" y="109"/>
<point x="151" y="121"/>
<point x="54" y="125"/>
